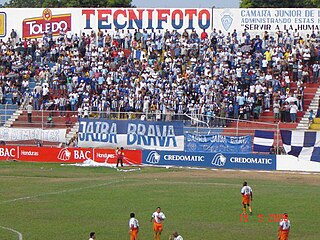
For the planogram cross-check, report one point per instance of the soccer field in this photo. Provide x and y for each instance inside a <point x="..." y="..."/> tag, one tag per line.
<point x="53" y="202"/>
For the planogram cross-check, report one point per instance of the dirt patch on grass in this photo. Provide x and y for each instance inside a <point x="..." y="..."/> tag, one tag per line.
<point x="278" y="176"/>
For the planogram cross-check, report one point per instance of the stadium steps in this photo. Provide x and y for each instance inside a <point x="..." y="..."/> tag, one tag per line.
<point x="310" y="101"/>
<point x="6" y="112"/>
<point x="73" y="133"/>
<point x="39" y="119"/>
<point x="304" y="123"/>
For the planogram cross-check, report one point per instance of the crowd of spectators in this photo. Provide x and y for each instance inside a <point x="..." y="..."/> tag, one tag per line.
<point x="163" y="75"/>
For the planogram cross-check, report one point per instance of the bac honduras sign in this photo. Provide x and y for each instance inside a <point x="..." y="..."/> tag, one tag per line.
<point x="131" y="134"/>
<point x="214" y="160"/>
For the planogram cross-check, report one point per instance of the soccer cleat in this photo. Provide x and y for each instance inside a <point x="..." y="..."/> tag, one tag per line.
<point x="250" y="213"/>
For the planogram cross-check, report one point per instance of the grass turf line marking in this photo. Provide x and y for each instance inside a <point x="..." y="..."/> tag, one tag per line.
<point x="12" y="230"/>
<point x="59" y="192"/>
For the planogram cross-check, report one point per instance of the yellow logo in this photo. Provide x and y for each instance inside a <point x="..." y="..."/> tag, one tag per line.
<point x="3" y="24"/>
<point x="47" y="14"/>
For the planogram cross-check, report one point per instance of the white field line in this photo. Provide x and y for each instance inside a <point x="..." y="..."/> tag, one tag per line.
<point x="12" y="230"/>
<point x="59" y="192"/>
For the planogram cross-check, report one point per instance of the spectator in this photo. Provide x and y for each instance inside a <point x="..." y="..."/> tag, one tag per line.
<point x="311" y="117"/>
<point x="276" y="111"/>
<point x="49" y="122"/>
<point x="29" y="109"/>
<point x="293" y="112"/>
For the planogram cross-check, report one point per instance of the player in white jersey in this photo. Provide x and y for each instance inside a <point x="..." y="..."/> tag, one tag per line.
<point x="284" y="228"/>
<point x="246" y="192"/>
<point x="157" y="217"/>
<point x="133" y="227"/>
<point x="176" y="236"/>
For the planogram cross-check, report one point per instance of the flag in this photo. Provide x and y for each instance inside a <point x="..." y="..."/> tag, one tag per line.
<point x="263" y="141"/>
<point x="304" y="145"/>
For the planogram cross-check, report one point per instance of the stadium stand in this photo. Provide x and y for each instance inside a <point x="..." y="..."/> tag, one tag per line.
<point x="212" y="77"/>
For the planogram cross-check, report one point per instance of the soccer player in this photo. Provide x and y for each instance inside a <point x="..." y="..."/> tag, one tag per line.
<point x="176" y="236"/>
<point x="246" y="192"/>
<point x="157" y="217"/>
<point x="92" y="236"/>
<point x="284" y="228"/>
<point x="133" y="227"/>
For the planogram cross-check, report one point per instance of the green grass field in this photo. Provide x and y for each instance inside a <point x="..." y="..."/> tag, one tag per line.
<point x="53" y="202"/>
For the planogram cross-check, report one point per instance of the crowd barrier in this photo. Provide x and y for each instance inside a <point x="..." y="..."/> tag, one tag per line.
<point x="159" y="158"/>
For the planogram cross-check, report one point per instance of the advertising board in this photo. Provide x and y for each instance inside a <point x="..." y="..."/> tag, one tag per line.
<point x="212" y="160"/>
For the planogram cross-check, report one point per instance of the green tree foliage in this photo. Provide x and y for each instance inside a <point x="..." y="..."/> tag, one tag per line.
<point x="67" y="3"/>
<point x="280" y="3"/>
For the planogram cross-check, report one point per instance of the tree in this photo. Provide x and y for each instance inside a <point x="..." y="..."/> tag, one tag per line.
<point x="280" y="3"/>
<point x="67" y="3"/>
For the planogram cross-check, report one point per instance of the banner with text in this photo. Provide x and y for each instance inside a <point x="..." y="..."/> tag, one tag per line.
<point x="267" y="19"/>
<point x="36" y="21"/>
<point x="217" y="143"/>
<point x="131" y="134"/>
<point x="23" y="134"/>
<point x="213" y="160"/>
<point x="67" y="155"/>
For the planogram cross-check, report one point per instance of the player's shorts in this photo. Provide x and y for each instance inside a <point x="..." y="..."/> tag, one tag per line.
<point x="245" y="199"/>
<point x="157" y="227"/>
<point x="284" y="235"/>
<point x="134" y="234"/>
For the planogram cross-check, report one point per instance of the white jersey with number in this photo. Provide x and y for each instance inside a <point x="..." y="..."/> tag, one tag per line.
<point x="158" y="217"/>
<point x="246" y="190"/>
<point x="285" y="224"/>
<point x="133" y="223"/>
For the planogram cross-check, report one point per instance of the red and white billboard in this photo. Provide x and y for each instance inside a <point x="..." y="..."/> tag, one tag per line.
<point x="67" y="155"/>
<point x="35" y="27"/>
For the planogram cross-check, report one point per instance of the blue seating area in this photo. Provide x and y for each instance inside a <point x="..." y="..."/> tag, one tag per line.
<point x="6" y="111"/>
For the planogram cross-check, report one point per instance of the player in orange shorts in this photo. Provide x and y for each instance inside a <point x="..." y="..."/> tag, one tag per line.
<point x="246" y="192"/>
<point x="284" y="228"/>
<point x="157" y="217"/>
<point x="133" y="227"/>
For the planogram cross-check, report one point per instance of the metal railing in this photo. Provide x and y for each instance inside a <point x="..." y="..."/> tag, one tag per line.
<point x="195" y="123"/>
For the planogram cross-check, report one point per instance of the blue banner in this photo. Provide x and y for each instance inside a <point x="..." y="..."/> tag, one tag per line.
<point x="211" y="160"/>
<point x="131" y="134"/>
<point x="217" y="143"/>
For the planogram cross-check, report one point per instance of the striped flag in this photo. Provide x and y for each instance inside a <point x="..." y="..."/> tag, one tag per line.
<point x="304" y="145"/>
<point x="263" y="141"/>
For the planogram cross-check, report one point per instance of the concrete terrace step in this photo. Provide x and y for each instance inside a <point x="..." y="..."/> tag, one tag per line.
<point x="260" y="125"/>
<point x="36" y="125"/>
<point x="270" y="113"/>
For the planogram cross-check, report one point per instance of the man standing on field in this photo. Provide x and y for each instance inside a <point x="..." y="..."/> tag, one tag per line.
<point x="120" y="156"/>
<point x="246" y="192"/>
<point x="133" y="227"/>
<point x="157" y="217"/>
<point x="92" y="236"/>
<point x="284" y="228"/>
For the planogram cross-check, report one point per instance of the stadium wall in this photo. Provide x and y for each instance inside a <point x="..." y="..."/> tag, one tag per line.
<point x="292" y="163"/>
<point x="66" y="155"/>
<point x="35" y="21"/>
<point x="159" y="158"/>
